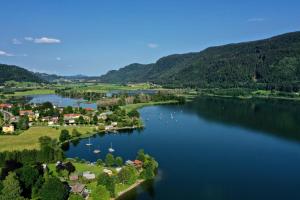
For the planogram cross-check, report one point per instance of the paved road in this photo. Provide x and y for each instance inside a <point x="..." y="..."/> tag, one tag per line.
<point x="6" y="115"/>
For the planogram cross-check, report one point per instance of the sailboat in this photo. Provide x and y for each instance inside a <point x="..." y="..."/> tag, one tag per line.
<point x="111" y="150"/>
<point x="89" y="144"/>
<point x="96" y="151"/>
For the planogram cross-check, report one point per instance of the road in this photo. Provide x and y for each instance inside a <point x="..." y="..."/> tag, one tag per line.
<point x="6" y="115"/>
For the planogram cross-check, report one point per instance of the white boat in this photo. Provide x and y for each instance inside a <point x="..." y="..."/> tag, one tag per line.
<point x="111" y="150"/>
<point x="89" y="144"/>
<point x="96" y="151"/>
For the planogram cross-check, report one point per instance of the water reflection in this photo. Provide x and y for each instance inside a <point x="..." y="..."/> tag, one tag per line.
<point x="144" y="192"/>
<point x="277" y="117"/>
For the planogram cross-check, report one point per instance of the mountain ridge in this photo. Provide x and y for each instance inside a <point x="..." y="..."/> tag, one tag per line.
<point x="247" y="64"/>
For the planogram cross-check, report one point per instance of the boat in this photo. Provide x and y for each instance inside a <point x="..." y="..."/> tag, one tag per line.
<point x="96" y="151"/>
<point x="89" y="144"/>
<point x="111" y="150"/>
<point x="172" y="116"/>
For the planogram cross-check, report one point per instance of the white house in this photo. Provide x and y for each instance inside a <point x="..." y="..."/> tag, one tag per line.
<point x="88" y="175"/>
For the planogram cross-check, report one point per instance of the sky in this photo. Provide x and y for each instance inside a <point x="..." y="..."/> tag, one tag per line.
<point x="91" y="37"/>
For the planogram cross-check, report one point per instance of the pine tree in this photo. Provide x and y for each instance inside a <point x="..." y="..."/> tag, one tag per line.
<point x="11" y="188"/>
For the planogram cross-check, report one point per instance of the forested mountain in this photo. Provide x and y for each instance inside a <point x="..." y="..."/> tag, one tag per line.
<point x="267" y="64"/>
<point x="15" y="73"/>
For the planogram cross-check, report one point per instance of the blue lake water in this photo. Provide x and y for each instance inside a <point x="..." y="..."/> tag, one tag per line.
<point x="61" y="101"/>
<point x="213" y="149"/>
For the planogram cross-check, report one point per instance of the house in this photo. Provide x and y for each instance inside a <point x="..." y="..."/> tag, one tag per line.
<point x="14" y="119"/>
<point x="109" y="127"/>
<point x="118" y="169"/>
<point x="114" y="124"/>
<point x="102" y="116"/>
<point x="129" y="162"/>
<point x="89" y="109"/>
<point x="45" y="119"/>
<point x="8" y="129"/>
<point x="5" y="106"/>
<point x="88" y="175"/>
<point x="31" y="115"/>
<point x="73" y="177"/>
<point x="52" y="121"/>
<point x="107" y="171"/>
<point x="138" y="163"/>
<point x="78" y="188"/>
<point x="26" y="112"/>
<point x="71" y="118"/>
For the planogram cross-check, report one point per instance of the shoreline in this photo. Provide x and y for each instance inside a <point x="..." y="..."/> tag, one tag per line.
<point x="133" y="186"/>
<point x="252" y="97"/>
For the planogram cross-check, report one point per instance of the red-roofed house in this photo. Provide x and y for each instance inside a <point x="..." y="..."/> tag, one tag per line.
<point x="26" y="112"/>
<point x="70" y="118"/>
<point x="5" y="106"/>
<point x="89" y="109"/>
<point x="138" y="163"/>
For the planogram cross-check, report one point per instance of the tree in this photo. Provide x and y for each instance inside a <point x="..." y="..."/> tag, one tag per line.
<point x="53" y="189"/>
<point x="28" y="176"/>
<point x="70" y="167"/>
<point x="45" y="141"/>
<point x="141" y="155"/>
<point x="64" y="135"/>
<point x="10" y="166"/>
<point x="128" y="175"/>
<point x="95" y="119"/>
<point x="76" y="197"/>
<point x="11" y="188"/>
<point x="75" y="133"/>
<point x="109" y="160"/>
<point x="119" y="161"/>
<point x="99" y="162"/>
<point x="134" y="113"/>
<point x="23" y="123"/>
<point x="100" y="193"/>
<point x="150" y="166"/>
<point x="81" y="120"/>
<point x="109" y="182"/>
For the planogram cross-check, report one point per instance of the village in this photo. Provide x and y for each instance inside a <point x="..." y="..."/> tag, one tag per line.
<point x="103" y="179"/>
<point x="85" y="179"/>
<point x="16" y="117"/>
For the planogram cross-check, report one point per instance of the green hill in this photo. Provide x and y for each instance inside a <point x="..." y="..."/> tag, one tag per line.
<point x="15" y="73"/>
<point x="272" y="63"/>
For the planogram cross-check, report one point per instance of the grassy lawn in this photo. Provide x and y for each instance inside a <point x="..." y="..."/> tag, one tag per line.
<point x="130" y="107"/>
<point x="33" y="92"/>
<point x="102" y="87"/>
<point x="80" y="168"/>
<point x="29" y="138"/>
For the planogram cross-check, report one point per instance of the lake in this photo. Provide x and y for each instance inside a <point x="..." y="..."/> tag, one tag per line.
<point x="213" y="149"/>
<point x="60" y="101"/>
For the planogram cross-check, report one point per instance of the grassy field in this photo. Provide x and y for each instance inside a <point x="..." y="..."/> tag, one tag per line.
<point x="29" y="138"/>
<point x="33" y="92"/>
<point x="103" y="87"/>
<point x="80" y="168"/>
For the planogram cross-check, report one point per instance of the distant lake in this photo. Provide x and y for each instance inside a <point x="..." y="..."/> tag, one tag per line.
<point x="61" y="101"/>
<point x="213" y="149"/>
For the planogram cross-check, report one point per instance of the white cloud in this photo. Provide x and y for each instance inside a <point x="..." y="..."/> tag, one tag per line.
<point x="3" y="53"/>
<point x="45" y="40"/>
<point x="152" y="45"/>
<point x="28" y="38"/>
<point x="257" y="19"/>
<point x="58" y="58"/>
<point x="16" y="41"/>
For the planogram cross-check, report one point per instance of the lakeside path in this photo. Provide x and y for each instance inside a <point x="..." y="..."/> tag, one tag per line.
<point x="139" y="182"/>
